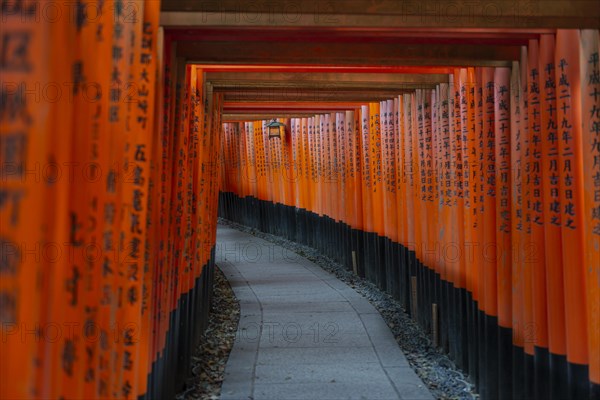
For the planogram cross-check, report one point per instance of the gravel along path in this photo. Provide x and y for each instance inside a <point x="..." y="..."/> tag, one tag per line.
<point x="438" y="372"/>
<point x="208" y="362"/>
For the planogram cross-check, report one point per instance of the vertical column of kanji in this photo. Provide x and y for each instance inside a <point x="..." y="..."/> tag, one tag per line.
<point x="277" y="170"/>
<point x="79" y="298"/>
<point x="489" y="361"/>
<point x="409" y="167"/>
<point x="345" y="210"/>
<point x="460" y="120"/>
<point x="330" y="175"/>
<point x="434" y="179"/>
<point x="186" y="191"/>
<point x="570" y="147"/>
<point x="273" y="168"/>
<point x="171" y="236"/>
<point x="537" y="225"/>
<point x="275" y="164"/>
<point x="339" y="177"/>
<point x="298" y="170"/>
<point x="317" y="166"/>
<point x="394" y="154"/>
<point x="389" y="148"/>
<point x="400" y="178"/>
<point x="324" y="164"/>
<point x="314" y="173"/>
<point x="152" y="257"/>
<point x="376" y="167"/>
<point x="450" y="251"/>
<point x="435" y="197"/>
<point x="552" y="220"/>
<point x="240" y="149"/>
<point x="138" y="148"/>
<point x="226" y="159"/>
<point x="427" y="180"/>
<point x="434" y="271"/>
<point x="475" y="141"/>
<point x="290" y="172"/>
<point x="517" y="221"/>
<point x="445" y="235"/>
<point x="238" y="145"/>
<point x="147" y="82"/>
<point x="24" y="144"/>
<point x="158" y="208"/>
<point x="121" y="230"/>
<point x="209" y="161"/>
<point x="366" y="189"/>
<point x="202" y="184"/>
<point x="254" y="157"/>
<point x="294" y="166"/>
<point x="354" y="129"/>
<point x="445" y="183"/>
<point x="423" y="150"/>
<point x="400" y="183"/>
<point x="195" y="258"/>
<point x="335" y="170"/>
<point x="383" y="138"/>
<point x="306" y="168"/>
<point x="300" y="188"/>
<point x="322" y="168"/>
<point x="91" y="74"/>
<point x="590" y="112"/>
<point x="308" y="127"/>
<point x="167" y="138"/>
<point x="478" y="247"/>
<point x="429" y="252"/>
<point x="281" y="152"/>
<point x="268" y="165"/>
<point x="286" y="178"/>
<point x="260" y="158"/>
<point x="502" y="124"/>
<point x="420" y="179"/>
<point x="384" y="149"/>
<point x="250" y="173"/>
<point x="480" y="177"/>
<point x="215" y="171"/>
<point x="461" y="105"/>
<point x="328" y="187"/>
<point x="443" y="93"/>
<point x="175" y="235"/>
<point x="226" y="151"/>
<point x="470" y="180"/>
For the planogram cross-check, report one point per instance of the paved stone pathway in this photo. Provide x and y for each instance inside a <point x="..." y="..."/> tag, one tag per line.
<point x="304" y="334"/>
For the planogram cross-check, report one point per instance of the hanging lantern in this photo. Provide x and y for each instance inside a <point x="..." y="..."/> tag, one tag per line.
<point x="275" y="129"/>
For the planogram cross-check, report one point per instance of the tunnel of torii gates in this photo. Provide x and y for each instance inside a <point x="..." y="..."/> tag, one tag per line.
<point x="447" y="152"/>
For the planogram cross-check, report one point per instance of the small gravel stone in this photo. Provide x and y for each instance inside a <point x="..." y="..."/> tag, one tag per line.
<point x="438" y="372"/>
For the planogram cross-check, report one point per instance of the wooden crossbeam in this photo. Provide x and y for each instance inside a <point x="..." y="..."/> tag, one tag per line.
<point x="347" y="54"/>
<point x="384" y="13"/>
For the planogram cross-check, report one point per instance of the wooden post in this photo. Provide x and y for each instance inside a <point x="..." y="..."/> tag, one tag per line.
<point x="413" y="303"/>
<point x="434" y="324"/>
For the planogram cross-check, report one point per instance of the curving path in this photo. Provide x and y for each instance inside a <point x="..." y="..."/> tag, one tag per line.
<point x="303" y="334"/>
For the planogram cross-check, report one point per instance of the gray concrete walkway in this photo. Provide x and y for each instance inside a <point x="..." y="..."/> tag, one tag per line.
<point x="304" y="334"/>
